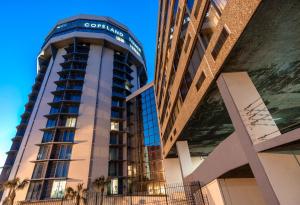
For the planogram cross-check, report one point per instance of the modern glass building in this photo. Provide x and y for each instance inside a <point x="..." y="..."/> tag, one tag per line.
<point x="74" y="128"/>
<point x="227" y="90"/>
<point x="145" y="165"/>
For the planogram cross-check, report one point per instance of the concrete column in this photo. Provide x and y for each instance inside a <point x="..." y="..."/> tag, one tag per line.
<point x="252" y="111"/>
<point x="103" y="116"/>
<point x="283" y="170"/>
<point x="172" y="170"/>
<point x="185" y="159"/>
<point x="248" y="113"/>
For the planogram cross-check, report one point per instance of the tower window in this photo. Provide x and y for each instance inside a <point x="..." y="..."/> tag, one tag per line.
<point x="58" y="189"/>
<point x="115" y="126"/>
<point x="221" y="40"/>
<point x="71" y="122"/>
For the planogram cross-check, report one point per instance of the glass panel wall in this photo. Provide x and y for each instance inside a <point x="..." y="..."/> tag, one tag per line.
<point x="146" y="174"/>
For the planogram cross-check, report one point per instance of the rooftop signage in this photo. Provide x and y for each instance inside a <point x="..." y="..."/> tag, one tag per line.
<point x="104" y="26"/>
<point x="98" y="27"/>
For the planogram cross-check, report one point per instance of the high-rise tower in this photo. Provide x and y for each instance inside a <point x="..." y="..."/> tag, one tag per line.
<point x="92" y="65"/>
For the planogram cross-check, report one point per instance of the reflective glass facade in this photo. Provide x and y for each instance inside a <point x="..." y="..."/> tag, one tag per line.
<point x="144" y="155"/>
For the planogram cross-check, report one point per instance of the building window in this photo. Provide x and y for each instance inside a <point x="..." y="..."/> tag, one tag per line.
<point x="197" y="8"/>
<point x="116" y="103"/>
<point x="220" y="5"/>
<point x="51" y="123"/>
<point x="178" y="16"/>
<point x="114" y="186"/>
<point x="65" y="152"/>
<point x="58" y="189"/>
<point x="54" y="110"/>
<point x="114" y="126"/>
<point x="70" y="109"/>
<point x="114" y="139"/>
<point x="194" y="63"/>
<point x="72" y="97"/>
<point x="38" y="170"/>
<point x="175" y="6"/>
<point x="211" y="20"/>
<point x="221" y="40"/>
<point x="200" y="81"/>
<point x="61" y="152"/>
<point x="34" y="191"/>
<point x="112" y="170"/>
<point x="113" y="154"/>
<point x="189" y="5"/>
<point x="65" y="136"/>
<point x="20" y="132"/>
<point x="187" y="43"/>
<point x="62" y="169"/>
<point x="43" y="153"/>
<point x="47" y="137"/>
<point x="57" y="98"/>
<point x="57" y="169"/>
<point x="129" y="170"/>
<point x="71" y="122"/>
<point x="116" y="114"/>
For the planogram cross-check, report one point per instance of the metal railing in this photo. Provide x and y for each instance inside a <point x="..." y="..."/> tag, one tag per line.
<point x="174" y="194"/>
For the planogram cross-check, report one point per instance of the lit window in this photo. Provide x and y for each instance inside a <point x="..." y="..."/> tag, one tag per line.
<point x="129" y="170"/>
<point x="114" y="186"/>
<point x="120" y="39"/>
<point x="114" y="126"/>
<point x="127" y="86"/>
<point x="58" y="189"/>
<point x="71" y="122"/>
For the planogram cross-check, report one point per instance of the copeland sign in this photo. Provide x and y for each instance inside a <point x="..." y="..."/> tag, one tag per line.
<point x="115" y="31"/>
<point x="105" y="27"/>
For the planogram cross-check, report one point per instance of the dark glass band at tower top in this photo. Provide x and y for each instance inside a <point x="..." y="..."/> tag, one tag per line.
<point x="96" y="26"/>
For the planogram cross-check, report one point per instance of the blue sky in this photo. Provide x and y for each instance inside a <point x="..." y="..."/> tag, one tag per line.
<point x="25" y="24"/>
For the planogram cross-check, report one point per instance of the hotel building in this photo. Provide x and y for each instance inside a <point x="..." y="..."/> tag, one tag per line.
<point x="78" y="124"/>
<point x="228" y="94"/>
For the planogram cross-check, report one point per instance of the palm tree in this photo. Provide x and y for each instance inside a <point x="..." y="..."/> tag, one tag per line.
<point x="99" y="185"/>
<point x="13" y="186"/>
<point x="78" y="195"/>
